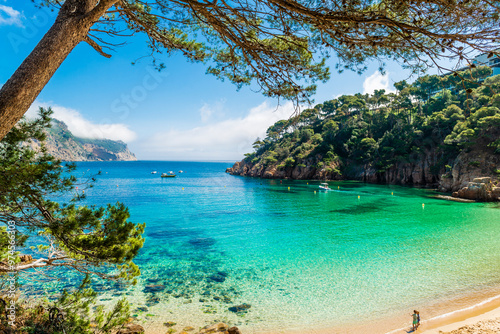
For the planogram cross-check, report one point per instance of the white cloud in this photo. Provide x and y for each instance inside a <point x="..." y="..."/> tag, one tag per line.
<point x="10" y="16"/>
<point x="377" y="81"/>
<point x="224" y="140"/>
<point x="209" y="110"/>
<point x="84" y="128"/>
<point x="205" y="112"/>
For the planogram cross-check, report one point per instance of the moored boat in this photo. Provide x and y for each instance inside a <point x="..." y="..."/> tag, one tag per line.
<point x="324" y="186"/>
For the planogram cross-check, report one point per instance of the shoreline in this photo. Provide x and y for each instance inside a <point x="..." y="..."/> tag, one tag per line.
<point x="475" y="308"/>
<point x="488" y="309"/>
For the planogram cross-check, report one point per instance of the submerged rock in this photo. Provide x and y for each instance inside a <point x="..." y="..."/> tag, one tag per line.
<point x="154" y="288"/>
<point x="202" y="242"/>
<point x="217" y="328"/>
<point x="239" y="308"/>
<point x="131" y="329"/>
<point x="217" y="278"/>
<point x="233" y="330"/>
<point x="169" y="323"/>
<point x="153" y="300"/>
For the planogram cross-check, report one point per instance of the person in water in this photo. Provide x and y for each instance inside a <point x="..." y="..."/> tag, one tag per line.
<point x="416" y="320"/>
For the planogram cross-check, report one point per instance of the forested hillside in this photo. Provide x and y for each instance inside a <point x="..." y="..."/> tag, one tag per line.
<point x="437" y="128"/>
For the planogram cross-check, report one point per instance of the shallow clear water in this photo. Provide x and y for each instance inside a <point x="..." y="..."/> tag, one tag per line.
<point x="298" y="256"/>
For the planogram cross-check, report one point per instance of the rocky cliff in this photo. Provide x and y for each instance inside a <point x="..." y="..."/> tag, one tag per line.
<point x="63" y="145"/>
<point x="473" y="174"/>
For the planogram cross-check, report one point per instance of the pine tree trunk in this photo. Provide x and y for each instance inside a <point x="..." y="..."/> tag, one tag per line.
<point x="20" y="91"/>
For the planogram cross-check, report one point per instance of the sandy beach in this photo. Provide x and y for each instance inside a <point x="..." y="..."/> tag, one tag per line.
<point x="467" y="318"/>
<point x="480" y="318"/>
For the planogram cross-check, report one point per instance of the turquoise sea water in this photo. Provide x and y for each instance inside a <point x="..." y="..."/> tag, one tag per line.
<point x="298" y="256"/>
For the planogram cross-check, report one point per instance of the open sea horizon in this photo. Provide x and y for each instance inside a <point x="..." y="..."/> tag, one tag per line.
<point x="264" y="255"/>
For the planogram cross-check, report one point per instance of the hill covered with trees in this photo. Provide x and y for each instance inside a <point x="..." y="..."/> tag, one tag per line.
<point x="438" y="131"/>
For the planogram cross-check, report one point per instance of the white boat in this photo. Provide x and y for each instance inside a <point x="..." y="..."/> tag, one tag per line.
<point x="169" y="174"/>
<point x="324" y="186"/>
<point x="154" y="172"/>
<point x="181" y="171"/>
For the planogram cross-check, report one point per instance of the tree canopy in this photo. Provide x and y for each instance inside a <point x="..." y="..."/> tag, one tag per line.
<point x="280" y="46"/>
<point x="435" y="114"/>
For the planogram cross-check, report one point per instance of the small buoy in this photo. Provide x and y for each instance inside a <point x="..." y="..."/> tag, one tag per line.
<point x="76" y="188"/>
<point x="315" y="191"/>
<point x="224" y="186"/>
<point x="83" y="191"/>
<point x="182" y="188"/>
<point x="307" y="182"/>
<point x="392" y="193"/>
<point x="359" y="197"/>
<point x="338" y="187"/>
<point x="423" y="205"/>
<point x="288" y="188"/>
<point x="117" y="185"/>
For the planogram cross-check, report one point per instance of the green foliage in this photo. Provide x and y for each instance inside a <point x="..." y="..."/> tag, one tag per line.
<point x="382" y="130"/>
<point x="34" y="189"/>
<point x="306" y="134"/>
<point x="81" y="314"/>
<point x="281" y="47"/>
<point x="289" y="162"/>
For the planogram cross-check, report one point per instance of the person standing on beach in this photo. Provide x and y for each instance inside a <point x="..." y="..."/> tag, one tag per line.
<point x="416" y="319"/>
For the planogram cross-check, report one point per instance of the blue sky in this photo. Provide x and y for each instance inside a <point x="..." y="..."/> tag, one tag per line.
<point x="179" y="114"/>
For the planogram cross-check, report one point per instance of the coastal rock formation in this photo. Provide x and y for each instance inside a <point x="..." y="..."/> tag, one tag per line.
<point x="307" y="170"/>
<point x="430" y="169"/>
<point x="63" y="145"/>
<point x="481" y="189"/>
<point x="423" y="170"/>
<point x="469" y="165"/>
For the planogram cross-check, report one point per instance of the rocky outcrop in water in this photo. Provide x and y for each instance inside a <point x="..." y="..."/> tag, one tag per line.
<point x="63" y="145"/>
<point x="481" y="189"/>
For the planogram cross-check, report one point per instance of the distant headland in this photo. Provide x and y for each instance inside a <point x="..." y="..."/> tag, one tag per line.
<point x="63" y="145"/>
